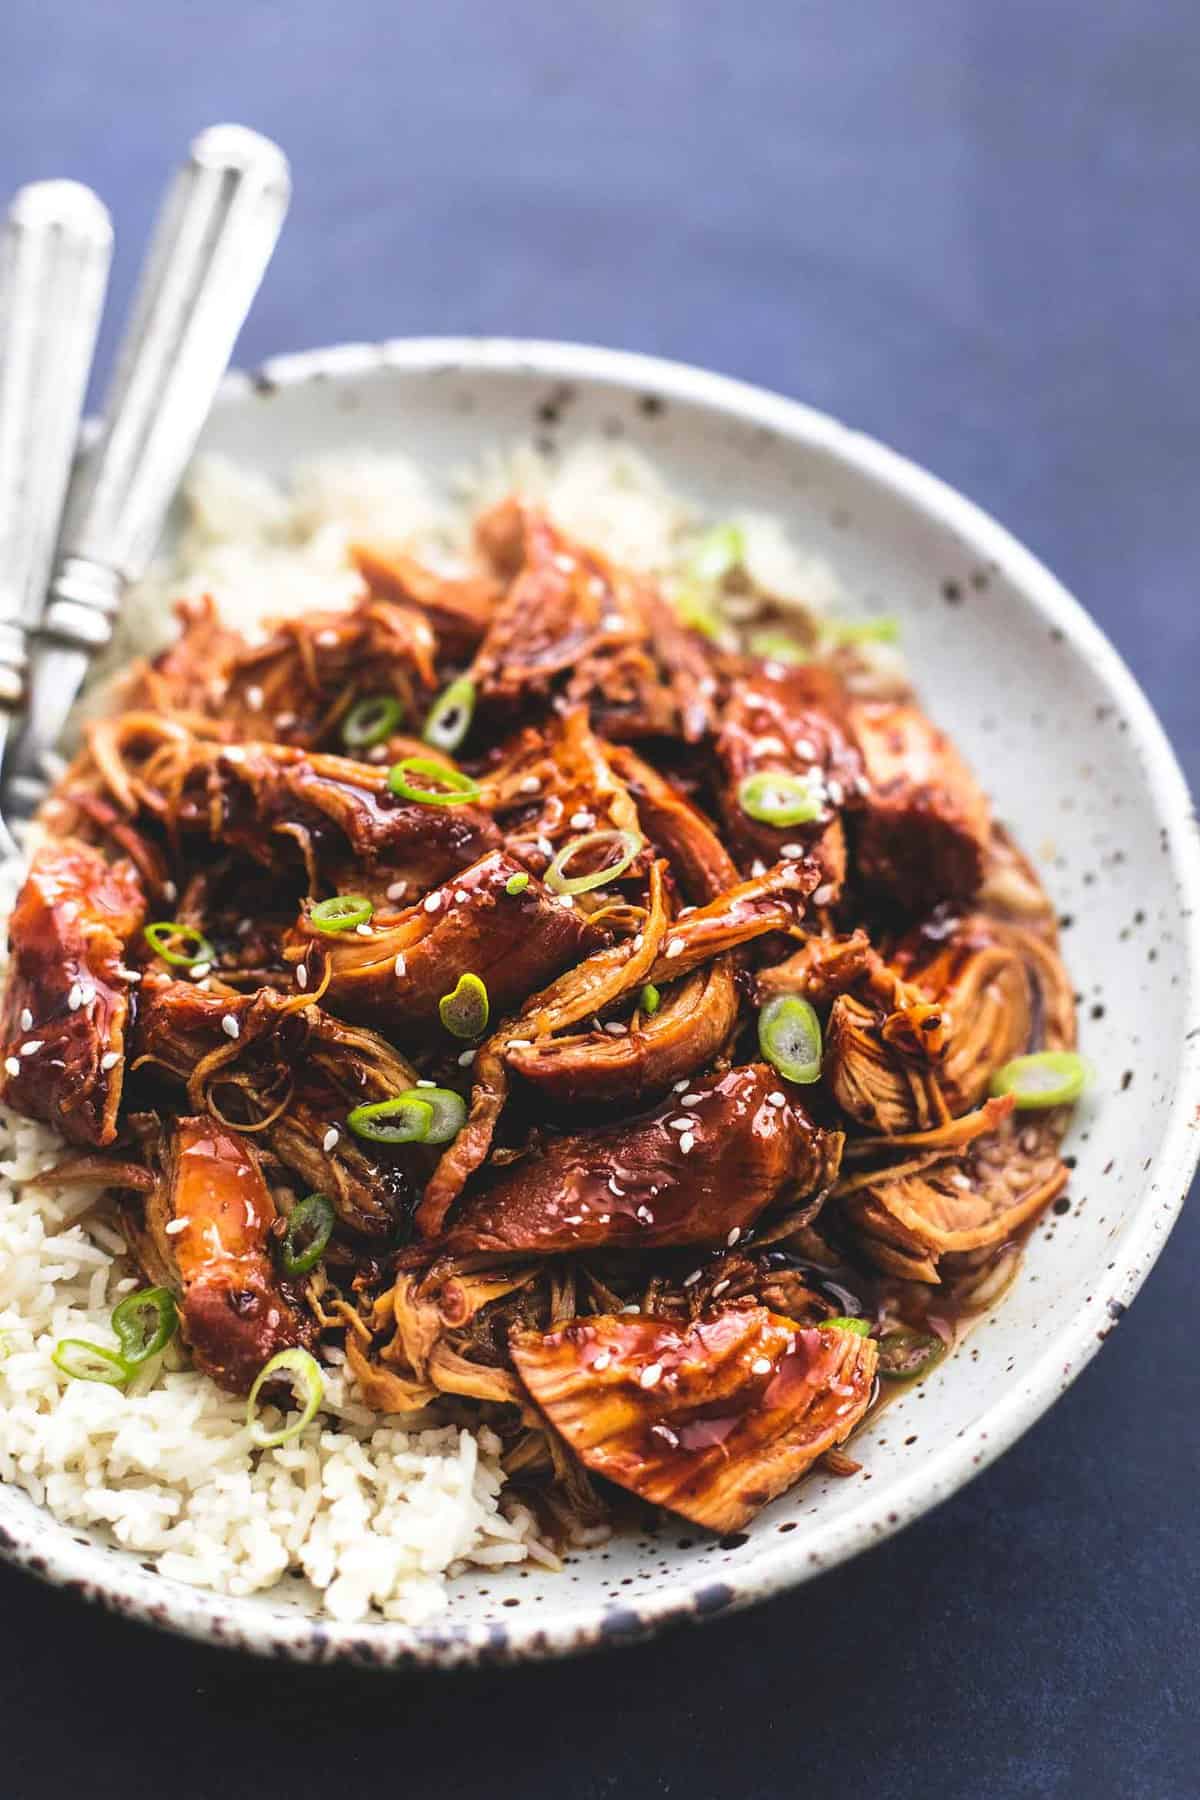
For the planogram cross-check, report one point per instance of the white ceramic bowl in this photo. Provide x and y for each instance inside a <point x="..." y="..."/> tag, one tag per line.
<point x="1076" y="762"/>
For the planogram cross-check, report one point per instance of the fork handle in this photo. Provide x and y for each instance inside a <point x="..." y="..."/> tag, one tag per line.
<point x="55" y="252"/>
<point x="214" y="237"/>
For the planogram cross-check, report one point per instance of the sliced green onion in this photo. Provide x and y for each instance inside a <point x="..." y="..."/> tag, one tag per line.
<point x="90" y="1362"/>
<point x="304" y="1373"/>
<point x="883" y="630"/>
<point x="861" y="1327"/>
<point x="649" y="999"/>
<point x="464" y="1013"/>
<point x="905" y="1354"/>
<point x="559" y="882"/>
<point x="1051" y="1078"/>
<point x="145" y="1323"/>
<point x="449" y="1113"/>
<point x="456" y="789"/>
<point x="159" y="937"/>
<point x="516" y="884"/>
<point x="720" y="550"/>
<point x="697" y="608"/>
<point x="404" y="1120"/>
<point x="777" y="646"/>
<point x="341" y="913"/>
<point x="774" y="797"/>
<point x="450" y="715"/>
<point x="309" y="1229"/>
<point x="789" y="1036"/>
<point x="371" y="721"/>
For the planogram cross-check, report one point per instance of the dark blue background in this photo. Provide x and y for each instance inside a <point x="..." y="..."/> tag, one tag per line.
<point x="969" y="226"/>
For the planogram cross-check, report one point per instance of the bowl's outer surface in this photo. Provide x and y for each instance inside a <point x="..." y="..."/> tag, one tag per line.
<point x="1074" y="759"/>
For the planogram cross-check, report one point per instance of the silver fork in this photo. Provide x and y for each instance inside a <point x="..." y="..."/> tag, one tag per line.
<point x="214" y="237"/>
<point x="55" y="253"/>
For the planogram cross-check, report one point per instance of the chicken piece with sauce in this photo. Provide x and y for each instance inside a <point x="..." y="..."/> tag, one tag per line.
<point x="205" y="1231"/>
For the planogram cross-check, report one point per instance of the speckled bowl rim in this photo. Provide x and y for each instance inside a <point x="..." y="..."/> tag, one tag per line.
<point x="115" y="1578"/>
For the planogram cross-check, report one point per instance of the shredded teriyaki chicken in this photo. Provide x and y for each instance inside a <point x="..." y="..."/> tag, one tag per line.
<point x="557" y="1012"/>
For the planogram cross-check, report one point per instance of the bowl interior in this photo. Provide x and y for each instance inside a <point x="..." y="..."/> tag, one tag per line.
<point x="1075" y="764"/>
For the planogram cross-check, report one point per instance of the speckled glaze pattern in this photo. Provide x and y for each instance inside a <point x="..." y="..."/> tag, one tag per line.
<point x="1076" y="763"/>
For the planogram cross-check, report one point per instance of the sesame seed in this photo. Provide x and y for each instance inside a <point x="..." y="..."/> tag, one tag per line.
<point x="301" y="975"/>
<point x="651" y="1375"/>
<point x="426" y="1083"/>
<point x="583" y="820"/>
<point x="400" y="966"/>
<point x="566" y="900"/>
<point x="806" y="748"/>
<point x="615" y="1028"/>
<point x="564" y="564"/>
<point x="26" y="1019"/>
<point x="545" y="846"/>
<point x="170" y="891"/>
<point x="614" y="1187"/>
<point x="244" y="927"/>
<point x="378" y="753"/>
<point x="691" y="1100"/>
<point x="686" y="1143"/>
<point x="531" y="785"/>
<point x="466" y="1059"/>
<point x="363" y="931"/>
<point x="668" y="1436"/>
<point x="645" y="1215"/>
<point x="397" y="890"/>
<point x="326" y="637"/>
<point x="519" y="1044"/>
<point x="432" y="903"/>
<point x="75" y="998"/>
<point x="109" y="1060"/>
<point x="174" y="1226"/>
<point x="834" y="790"/>
<point x="200" y="970"/>
<point x="679" y="1086"/>
<point x="87" y="993"/>
<point x="32" y="1046"/>
<point x="602" y="1360"/>
<point x="762" y="1365"/>
<point x="758" y="867"/>
<point x="254" y="699"/>
<point x="637" y="942"/>
<point x="776" y="1098"/>
<point x="284" y="721"/>
<point x="861" y="785"/>
<point x="824" y="894"/>
<point x="230" y="1026"/>
<point x="462" y="896"/>
<point x="685" y="910"/>
<point x="790" y="852"/>
<point x="12" y="1065"/>
<point x="633" y="1307"/>
<point x="734" y="1235"/>
<point x="676" y="947"/>
<point x="331" y="1137"/>
<point x="235" y="754"/>
<point x="719" y="1288"/>
<point x="693" y="1278"/>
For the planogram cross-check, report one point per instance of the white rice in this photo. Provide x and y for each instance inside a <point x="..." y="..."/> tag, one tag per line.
<point x="374" y="1513"/>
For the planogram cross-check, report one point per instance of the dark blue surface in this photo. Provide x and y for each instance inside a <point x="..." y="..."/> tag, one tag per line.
<point x="969" y="228"/>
